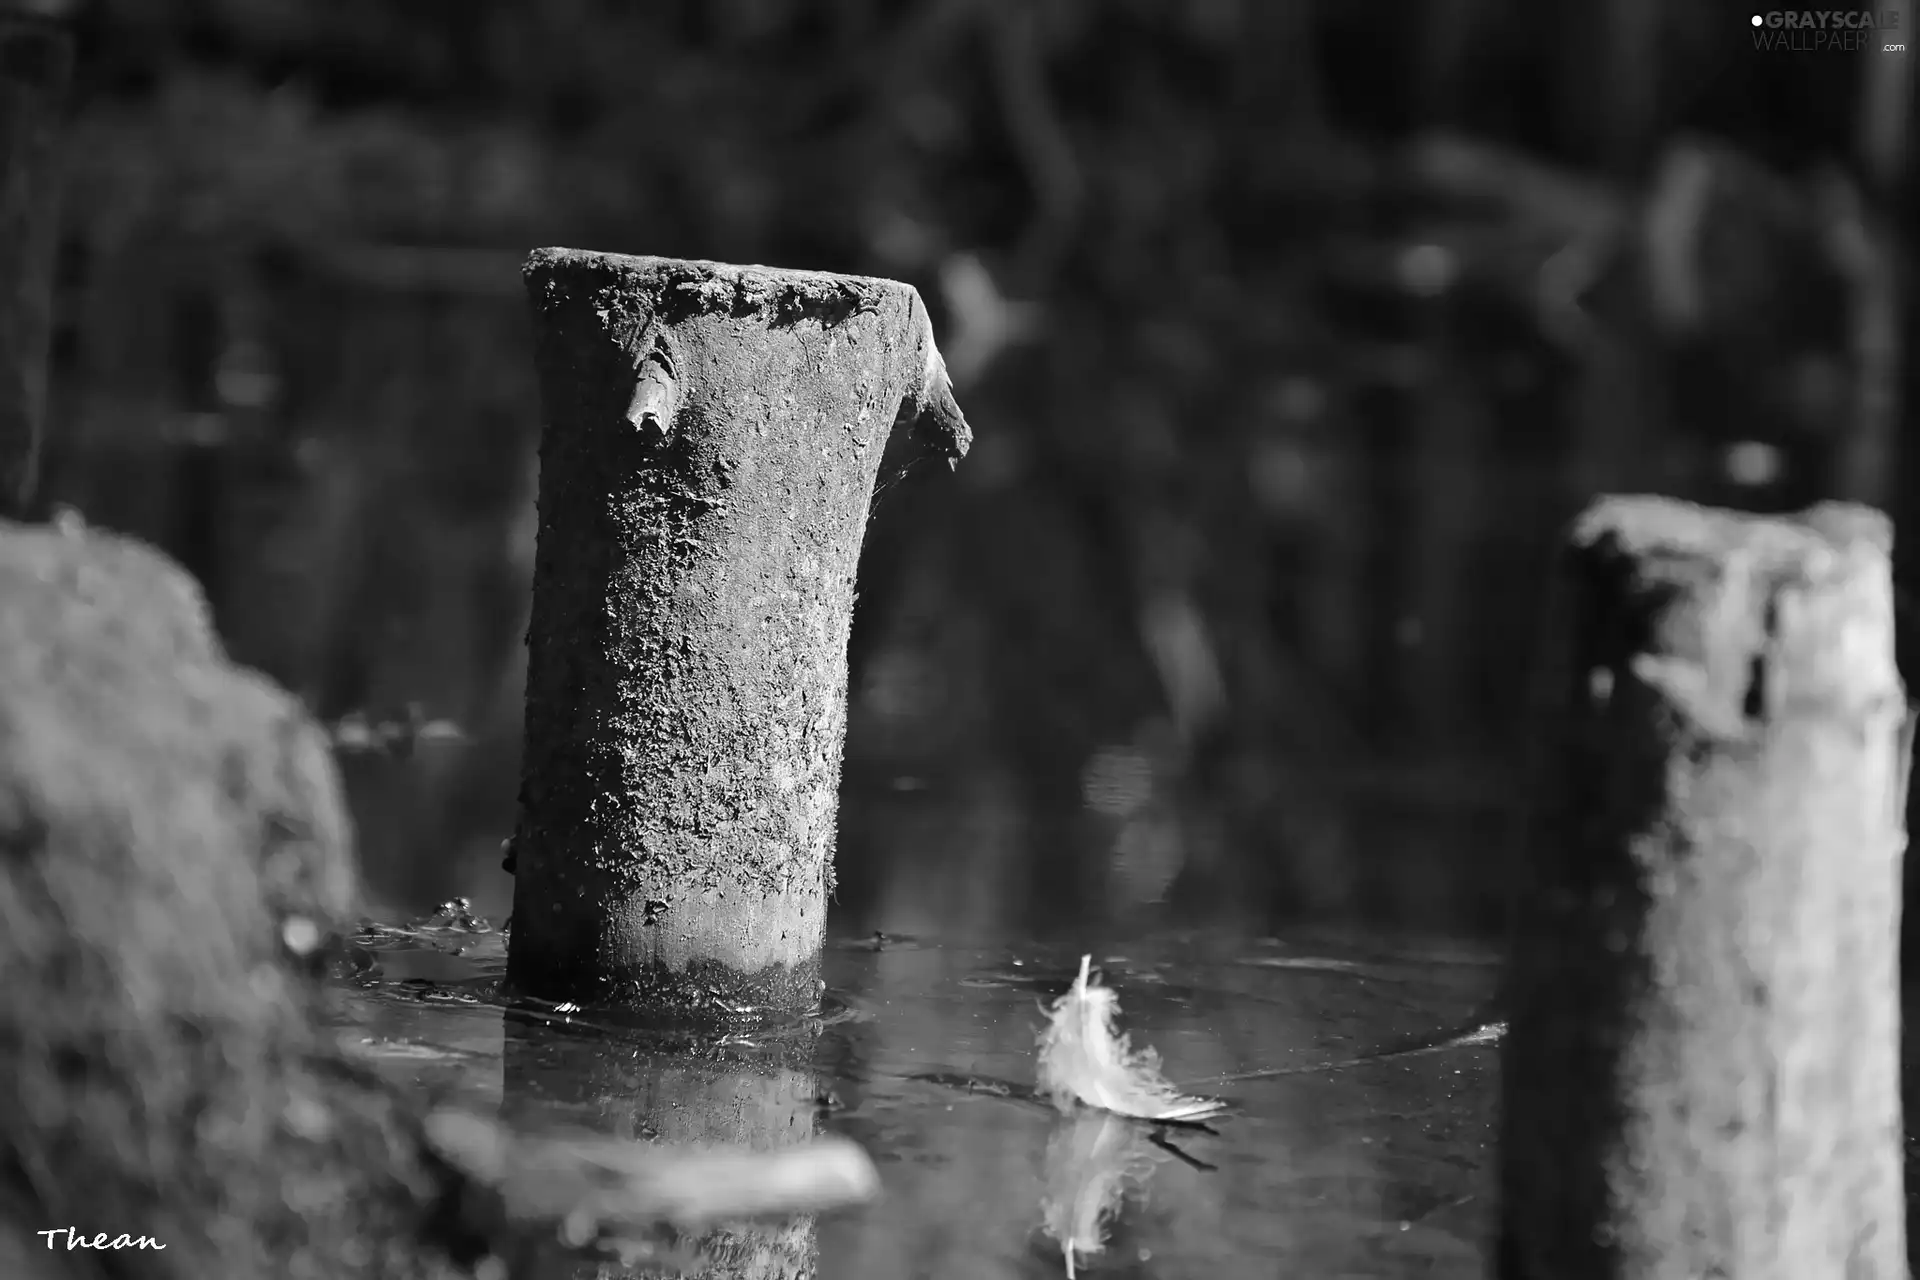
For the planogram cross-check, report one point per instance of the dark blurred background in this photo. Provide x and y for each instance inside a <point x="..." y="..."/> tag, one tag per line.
<point x="1292" y="333"/>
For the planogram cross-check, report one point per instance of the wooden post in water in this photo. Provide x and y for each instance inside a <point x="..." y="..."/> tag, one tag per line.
<point x="713" y="435"/>
<point x="1702" y="1072"/>
<point x="36" y="63"/>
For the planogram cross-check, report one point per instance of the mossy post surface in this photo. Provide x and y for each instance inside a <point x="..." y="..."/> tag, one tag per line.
<point x="1702" y="1072"/>
<point x="36" y="64"/>
<point x="712" y="439"/>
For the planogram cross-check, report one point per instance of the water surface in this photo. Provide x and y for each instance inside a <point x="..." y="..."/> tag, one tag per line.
<point x="1359" y="1143"/>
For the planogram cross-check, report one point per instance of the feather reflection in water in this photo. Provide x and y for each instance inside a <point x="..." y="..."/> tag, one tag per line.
<point x="1093" y="1159"/>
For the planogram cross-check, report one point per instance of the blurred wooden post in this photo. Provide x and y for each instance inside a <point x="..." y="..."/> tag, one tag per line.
<point x="1702" y="1075"/>
<point x="712" y="439"/>
<point x="1861" y="237"/>
<point x="36" y="63"/>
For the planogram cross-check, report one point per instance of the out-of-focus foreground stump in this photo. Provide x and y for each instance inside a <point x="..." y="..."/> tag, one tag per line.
<point x="174" y="848"/>
<point x="36" y="64"/>
<point x="713" y="435"/>
<point x="1702" y="1073"/>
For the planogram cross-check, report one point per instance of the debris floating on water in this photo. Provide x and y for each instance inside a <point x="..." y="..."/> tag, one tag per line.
<point x="607" y="1185"/>
<point x="1084" y="1058"/>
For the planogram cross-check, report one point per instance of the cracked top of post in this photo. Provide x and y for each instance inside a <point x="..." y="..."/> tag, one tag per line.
<point x="696" y="287"/>
<point x="632" y="293"/>
<point x="1740" y="616"/>
<point x="1645" y="525"/>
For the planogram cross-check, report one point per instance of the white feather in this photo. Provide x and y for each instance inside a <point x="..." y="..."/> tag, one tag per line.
<point x="1085" y="1059"/>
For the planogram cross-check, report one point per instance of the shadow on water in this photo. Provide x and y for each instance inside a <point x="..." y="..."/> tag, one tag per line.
<point x="1359" y="1142"/>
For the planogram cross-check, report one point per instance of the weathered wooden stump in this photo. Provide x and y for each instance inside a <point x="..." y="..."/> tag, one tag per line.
<point x="1702" y="1073"/>
<point x="712" y="440"/>
<point x="36" y="63"/>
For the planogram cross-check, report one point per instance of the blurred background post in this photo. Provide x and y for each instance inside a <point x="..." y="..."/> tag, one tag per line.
<point x="36" y="64"/>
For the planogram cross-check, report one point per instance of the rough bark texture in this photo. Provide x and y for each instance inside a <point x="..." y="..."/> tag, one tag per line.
<point x="36" y="62"/>
<point x="713" y="435"/>
<point x="1702" y="1072"/>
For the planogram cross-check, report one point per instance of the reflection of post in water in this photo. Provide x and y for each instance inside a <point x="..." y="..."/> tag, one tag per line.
<point x="687" y="1099"/>
<point x="1702" y="1071"/>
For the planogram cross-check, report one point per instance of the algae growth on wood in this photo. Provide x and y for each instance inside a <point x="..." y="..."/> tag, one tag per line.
<point x="713" y="435"/>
